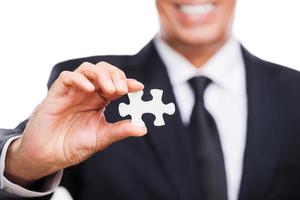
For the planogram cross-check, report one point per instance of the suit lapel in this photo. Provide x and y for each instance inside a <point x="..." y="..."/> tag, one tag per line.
<point x="265" y="125"/>
<point x="170" y="142"/>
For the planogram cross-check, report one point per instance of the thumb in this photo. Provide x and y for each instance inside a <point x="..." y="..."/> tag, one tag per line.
<point x="113" y="132"/>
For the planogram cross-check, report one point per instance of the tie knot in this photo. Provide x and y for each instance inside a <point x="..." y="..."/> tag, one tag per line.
<point x="199" y="84"/>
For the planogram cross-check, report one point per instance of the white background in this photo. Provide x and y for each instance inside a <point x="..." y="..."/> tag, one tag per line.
<point x="35" y="34"/>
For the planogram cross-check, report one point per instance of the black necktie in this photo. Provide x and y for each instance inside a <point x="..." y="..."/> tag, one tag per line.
<point x="206" y="146"/>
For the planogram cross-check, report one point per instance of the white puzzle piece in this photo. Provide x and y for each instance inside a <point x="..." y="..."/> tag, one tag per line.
<point x="138" y="107"/>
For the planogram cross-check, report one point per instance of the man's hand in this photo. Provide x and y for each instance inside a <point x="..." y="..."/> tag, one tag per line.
<point x="69" y="125"/>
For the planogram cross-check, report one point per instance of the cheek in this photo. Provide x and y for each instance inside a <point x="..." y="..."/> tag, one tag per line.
<point x="166" y="16"/>
<point x="222" y="22"/>
<point x="227" y="10"/>
<point x="163" y="9"/>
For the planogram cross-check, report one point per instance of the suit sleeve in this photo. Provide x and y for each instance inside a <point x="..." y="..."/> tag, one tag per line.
<point x="71" y="179"/>
<point x="9" y="190"/>
<point x="46" y="186"/>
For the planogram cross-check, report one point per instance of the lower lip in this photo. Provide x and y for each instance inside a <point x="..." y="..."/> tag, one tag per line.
<point x="192" y="20"/>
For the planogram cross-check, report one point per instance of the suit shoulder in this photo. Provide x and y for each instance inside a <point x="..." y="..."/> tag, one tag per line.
<point x="284" y="77"/>
<point x="286" y="74"/>
<point x="277" y="72"/>
<point x="288" y="80"/>
<point x="73" y="64"/>
<point x="269" y="68"/>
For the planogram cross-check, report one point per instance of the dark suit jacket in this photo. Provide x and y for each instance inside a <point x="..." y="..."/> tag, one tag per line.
<point x="160" y="166"/>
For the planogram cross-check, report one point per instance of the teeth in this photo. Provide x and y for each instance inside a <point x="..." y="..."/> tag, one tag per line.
<point x="197" y="9"/>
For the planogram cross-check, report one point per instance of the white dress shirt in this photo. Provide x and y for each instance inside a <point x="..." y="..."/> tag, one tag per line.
<point x="225" y="98"/>
<point x="50" y="184"/>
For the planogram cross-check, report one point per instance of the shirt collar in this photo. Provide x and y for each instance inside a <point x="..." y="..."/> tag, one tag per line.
<point x="224" y="68"/>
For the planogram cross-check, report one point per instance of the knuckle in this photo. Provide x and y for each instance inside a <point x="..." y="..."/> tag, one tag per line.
<point x="85" y="66"/>
<point x="119" y="74"/>
<point x="122" y="74"/>
<point x="102" y="67"/>
<point x="107" y="68"/>
<point x="64" y="74"/>
<point x="102" y="63"/>
<point x="107" y="65"/>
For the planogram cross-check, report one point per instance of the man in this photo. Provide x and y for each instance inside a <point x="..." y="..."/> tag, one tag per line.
<point x="235" y="133"/>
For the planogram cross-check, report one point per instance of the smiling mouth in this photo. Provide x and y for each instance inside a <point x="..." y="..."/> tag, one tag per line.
<point x="196" y="9"/>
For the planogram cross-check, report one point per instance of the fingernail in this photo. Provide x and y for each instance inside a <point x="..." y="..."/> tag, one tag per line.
<point x="143" y="129"/>
<point x="139" y="84"/>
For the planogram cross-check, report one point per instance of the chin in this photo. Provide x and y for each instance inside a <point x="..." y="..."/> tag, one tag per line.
<point x="196" y="23"/>
<point x="202" y="38"/>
